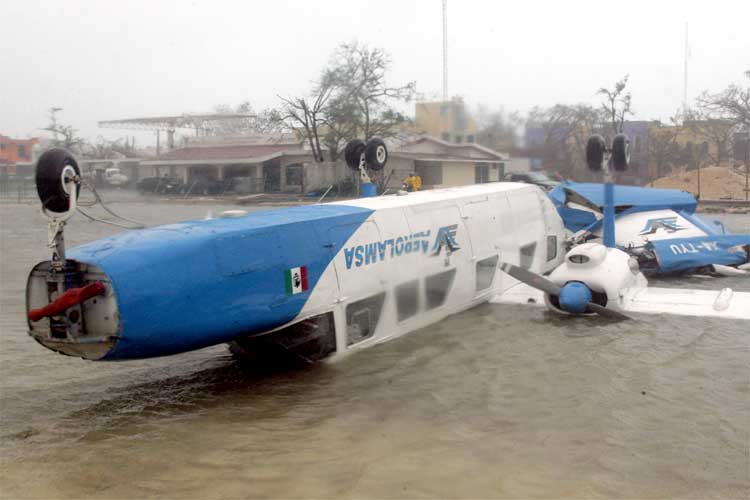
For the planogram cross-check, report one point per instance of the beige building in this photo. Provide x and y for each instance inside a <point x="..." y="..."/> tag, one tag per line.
<point x="447" y="120"/>
<point x="444" y="164"/>
<point x="271" y="165"/>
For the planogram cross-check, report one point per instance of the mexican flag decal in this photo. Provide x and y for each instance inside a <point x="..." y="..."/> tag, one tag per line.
<point x="296" y="280"/>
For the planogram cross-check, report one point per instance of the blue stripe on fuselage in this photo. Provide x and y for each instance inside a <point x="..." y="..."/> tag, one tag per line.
<point x="199" y="283"/>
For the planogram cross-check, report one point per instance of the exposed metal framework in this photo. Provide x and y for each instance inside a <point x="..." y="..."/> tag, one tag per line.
<point x="201" y="124"/>
<point x="195" y="122"/>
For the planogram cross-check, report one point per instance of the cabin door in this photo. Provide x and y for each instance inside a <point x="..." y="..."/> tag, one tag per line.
<point x="485" y="226"/>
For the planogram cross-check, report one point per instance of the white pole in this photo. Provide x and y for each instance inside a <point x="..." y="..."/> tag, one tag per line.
<point x="684" y="95"/>
<point x="445" y="50"/>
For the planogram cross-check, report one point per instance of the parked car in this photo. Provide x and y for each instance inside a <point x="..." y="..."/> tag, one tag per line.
<point x="114" y="177"/>
<point x="160" y="185"/>
<point x="538" y="178"/>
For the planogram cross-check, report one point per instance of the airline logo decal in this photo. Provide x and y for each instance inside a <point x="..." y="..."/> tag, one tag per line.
<point x="668" y="224"/>
<point x="295" y="280"/>
<point x="446" y="237"/>
<point x="379" y="251"/>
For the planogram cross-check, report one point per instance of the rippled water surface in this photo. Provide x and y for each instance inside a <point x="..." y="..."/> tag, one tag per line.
<point x="497" y="402"/>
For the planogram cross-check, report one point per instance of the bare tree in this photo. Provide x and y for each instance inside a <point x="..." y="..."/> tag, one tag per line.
<point x="64" y="136"/>
<point x="616" y="105"/>
<point x="339" y="124"/>
<point x="663" y="149"/>
<point x="564" y="130"/>
<point x="105" y="148"/>
<point x="731" y="104"/>
<point x="498" y="130"/>
<point x="716" y="132"/>
<point x="363" y="102"/>
<point x="67" y="138"/>
<point x="306" y="113"/>
<point x="351" y="99"/>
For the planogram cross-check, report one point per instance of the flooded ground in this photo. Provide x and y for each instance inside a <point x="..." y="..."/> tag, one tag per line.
<point x="497" y="402"/>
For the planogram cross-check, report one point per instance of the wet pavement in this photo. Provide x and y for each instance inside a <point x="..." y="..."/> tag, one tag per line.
<point x="497" y="402"/>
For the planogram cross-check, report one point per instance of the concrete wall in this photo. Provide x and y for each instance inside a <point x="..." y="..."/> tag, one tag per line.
<point x="321" y="175"/>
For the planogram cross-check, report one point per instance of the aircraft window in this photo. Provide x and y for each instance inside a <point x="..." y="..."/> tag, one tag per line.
<point x="527" y="255"/>
<point x="551" y="247"/>
<point x="437" y="287"/>
<point x="407" y="299"/>
<point x="486" y="272"/>
<point x="362" y="318"/>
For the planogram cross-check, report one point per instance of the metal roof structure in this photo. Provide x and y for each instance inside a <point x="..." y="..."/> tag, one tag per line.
<point x="191" y="121"/>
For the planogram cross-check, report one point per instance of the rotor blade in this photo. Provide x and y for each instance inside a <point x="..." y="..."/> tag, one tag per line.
<point x="608" y="313"/>
<point x="532" y="279"/>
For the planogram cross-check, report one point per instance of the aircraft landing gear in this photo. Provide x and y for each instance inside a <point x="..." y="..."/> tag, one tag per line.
<point x="361" y="156"/>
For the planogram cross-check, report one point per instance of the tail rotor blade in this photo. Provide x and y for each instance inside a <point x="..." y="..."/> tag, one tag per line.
<point x="532" y="279"/>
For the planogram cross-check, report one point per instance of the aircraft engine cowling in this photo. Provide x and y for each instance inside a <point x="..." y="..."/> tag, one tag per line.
<point x="592" y="273"/>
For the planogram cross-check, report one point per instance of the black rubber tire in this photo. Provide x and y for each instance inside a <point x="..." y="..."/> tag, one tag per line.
<point x="353" y="151"/>
<point x="49" y="186"/>
<point x="620" y="152"/>
<point x="376" y="154"/>
<point x="595" y="148"/>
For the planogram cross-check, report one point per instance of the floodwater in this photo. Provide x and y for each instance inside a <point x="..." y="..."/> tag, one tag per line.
<point x="497" y="402"/>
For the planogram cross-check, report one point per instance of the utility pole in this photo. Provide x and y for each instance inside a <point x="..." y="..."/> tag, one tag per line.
<point x="685" y="83"/>
<point x="445" y="50"/>
<point x="53" y="119"/>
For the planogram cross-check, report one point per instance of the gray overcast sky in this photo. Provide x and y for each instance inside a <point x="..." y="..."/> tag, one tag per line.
<point x="104" y="60"/>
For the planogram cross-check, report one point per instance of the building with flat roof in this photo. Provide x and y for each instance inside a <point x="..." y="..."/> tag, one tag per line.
<point x="15" y="152"/>
<point x="281" y="164"/>
<point x="271" y="164"/>
<point x="448" y="120"/>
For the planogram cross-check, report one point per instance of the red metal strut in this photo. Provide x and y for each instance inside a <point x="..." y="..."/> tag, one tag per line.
<point x="70" y="298"/>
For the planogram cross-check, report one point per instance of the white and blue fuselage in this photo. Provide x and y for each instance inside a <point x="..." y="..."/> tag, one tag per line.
<point x="319" y="280"/>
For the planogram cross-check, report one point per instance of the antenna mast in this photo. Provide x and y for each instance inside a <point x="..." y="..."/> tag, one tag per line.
<point x="684" y="95"/>
<point x="445" y="50"/>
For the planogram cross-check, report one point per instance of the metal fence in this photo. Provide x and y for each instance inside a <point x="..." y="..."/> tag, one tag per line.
<point x="17" y="190"/>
